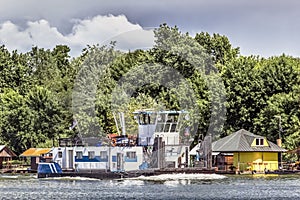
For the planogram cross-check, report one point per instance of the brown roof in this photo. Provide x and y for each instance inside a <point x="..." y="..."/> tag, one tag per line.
<point x="6" y="152"/>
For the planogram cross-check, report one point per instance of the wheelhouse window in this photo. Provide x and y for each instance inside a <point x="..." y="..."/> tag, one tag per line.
<point x="91" y="154"/>
<point x="259" y="142"/>
<point x="78" y="154"/>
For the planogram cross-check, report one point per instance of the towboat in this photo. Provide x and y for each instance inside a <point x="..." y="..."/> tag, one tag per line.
<point x="161" y="146"/>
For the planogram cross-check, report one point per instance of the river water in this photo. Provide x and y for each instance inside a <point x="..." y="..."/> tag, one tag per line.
<point x="180" y="186"/>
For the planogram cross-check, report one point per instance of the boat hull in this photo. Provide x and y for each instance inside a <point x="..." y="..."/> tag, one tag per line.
<point x="132" y="174"/>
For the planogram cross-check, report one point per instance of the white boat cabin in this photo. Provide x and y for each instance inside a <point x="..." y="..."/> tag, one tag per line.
<point x="98" y="158"/>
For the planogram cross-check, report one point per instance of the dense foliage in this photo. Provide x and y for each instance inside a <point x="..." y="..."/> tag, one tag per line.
<point x="42" y="92"/>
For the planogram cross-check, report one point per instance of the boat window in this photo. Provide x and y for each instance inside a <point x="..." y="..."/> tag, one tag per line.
<point x="147" y="118"/>
<point x="170" y="118"/>
<point x="173" y="127"/>
<point x="167" y="127"/>
<point x="91" y="154"/>
<point x="103" y="154"/>
<point x="79" y="154"/>
<point x="131" y="154"/>
<point x="152" y="118"/>
<point x="159" y="128"/>
<point x="60" y="154"/>
<point x="175" y="118"/>
<point x="162" y="118"/>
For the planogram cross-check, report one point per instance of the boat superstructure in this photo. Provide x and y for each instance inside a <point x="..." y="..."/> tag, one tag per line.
<point x="162" y="142"/>
<point x="164" y="138"/>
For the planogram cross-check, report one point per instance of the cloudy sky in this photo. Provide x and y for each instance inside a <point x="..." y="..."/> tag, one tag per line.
<point x="265" y="28"/>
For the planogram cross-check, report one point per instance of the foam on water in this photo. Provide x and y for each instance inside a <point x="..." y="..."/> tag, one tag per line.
<point x="69" y="178"/>
<point x="171" y="177"/>
<point x="131" y="182"/>
<point x="17" y="176"/>
<point x="9" y="176"/>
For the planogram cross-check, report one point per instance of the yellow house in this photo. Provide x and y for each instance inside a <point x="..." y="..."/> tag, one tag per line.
<point x="250" y="152"/>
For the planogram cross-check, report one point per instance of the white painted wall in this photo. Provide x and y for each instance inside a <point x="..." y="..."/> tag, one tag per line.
<point x="112" y="151"/>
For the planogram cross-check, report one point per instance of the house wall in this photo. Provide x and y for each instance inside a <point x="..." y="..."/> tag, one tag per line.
<point x="258" y="161"/>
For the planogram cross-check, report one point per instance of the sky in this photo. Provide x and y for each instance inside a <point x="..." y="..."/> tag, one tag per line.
<point x="265" y="28"/>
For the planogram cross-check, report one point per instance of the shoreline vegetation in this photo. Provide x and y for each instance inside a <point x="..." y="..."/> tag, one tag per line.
<point x="37" y="87"/>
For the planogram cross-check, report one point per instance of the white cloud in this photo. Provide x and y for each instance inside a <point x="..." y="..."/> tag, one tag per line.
<point x="103" y="29"/>
<point x="12" y="37"/>
<point x="96" y="30"/>
<point x="259" y="27"/>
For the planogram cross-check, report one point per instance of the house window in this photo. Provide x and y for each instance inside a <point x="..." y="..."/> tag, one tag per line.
<point x="91" y="154"/>
<point x="103" y="155"/>
<point x="78" y="154"/>
<point x="59" y="154"/>
<point x="259" y="141"/>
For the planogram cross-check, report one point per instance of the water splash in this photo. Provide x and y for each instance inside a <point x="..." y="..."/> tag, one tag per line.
<point x="171" y="177"/>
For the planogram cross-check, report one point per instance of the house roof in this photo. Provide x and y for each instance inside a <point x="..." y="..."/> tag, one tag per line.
<point x="241" y="141"/>
<point x="6" y="152"/>
<point x="34" y="152"/>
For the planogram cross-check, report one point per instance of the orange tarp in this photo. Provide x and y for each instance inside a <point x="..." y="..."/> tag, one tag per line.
<point x="35" y="152"/>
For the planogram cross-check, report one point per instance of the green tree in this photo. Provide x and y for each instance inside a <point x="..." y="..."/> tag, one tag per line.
<point x="92" y="91"/>
<point x="46" y="113"/>
<point x="184" y="54"/>
<point x="245" y="93"/>
<point x="16" y="125"/>
<point x="218" y="46"/>
<point x="14" y="71"/>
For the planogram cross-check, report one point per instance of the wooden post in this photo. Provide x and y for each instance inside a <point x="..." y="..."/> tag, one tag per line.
<point x="238" y="169"/>
<point x="1" y="161"/>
